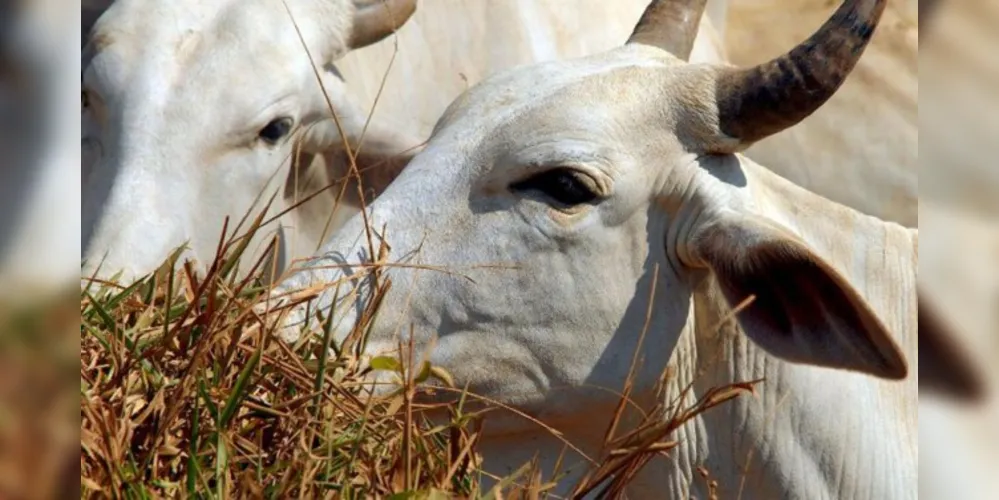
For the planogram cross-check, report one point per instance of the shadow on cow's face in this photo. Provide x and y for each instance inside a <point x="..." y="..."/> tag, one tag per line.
<point x="191" y="114"/>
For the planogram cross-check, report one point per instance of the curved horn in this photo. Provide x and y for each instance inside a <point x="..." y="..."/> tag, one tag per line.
<point x="670" y="25"/>
<point x="377" y="19"/>
<point x="756" y="102"/>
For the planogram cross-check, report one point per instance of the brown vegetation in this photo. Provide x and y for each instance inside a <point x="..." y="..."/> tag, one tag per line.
<point x="186" y="391"/>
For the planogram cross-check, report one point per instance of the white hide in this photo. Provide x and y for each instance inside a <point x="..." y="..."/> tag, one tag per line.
<point x="163" y="167"/>
<point x="177" y="94"/>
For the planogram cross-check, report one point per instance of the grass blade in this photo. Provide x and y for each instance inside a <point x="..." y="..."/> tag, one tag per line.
<point x="239" y="390"/>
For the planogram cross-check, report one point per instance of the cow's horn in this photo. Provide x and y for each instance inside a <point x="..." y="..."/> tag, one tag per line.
<point x="670" y="25"/>
<point x="377" y="19"/>
<point x="757" y="102"/>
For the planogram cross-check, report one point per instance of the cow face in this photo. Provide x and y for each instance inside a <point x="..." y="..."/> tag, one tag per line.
<point x="560" y="210"/>
<point x="191" y="111"/>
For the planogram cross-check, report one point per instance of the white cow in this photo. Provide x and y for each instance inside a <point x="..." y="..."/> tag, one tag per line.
<point x="190" y="109"/>
<point x="193" y="107"/>
<point x="559" y="209"/>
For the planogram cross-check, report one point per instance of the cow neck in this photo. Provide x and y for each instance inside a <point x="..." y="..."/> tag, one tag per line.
<point x="807" y="428"/>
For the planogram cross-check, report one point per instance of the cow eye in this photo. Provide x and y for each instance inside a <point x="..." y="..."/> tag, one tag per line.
<point x="563" y="185"/>
<point x="276" y="130"/>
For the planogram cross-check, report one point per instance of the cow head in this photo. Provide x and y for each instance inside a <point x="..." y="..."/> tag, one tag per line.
<point x="192" y="112"/>
<point x="559" y="208"/>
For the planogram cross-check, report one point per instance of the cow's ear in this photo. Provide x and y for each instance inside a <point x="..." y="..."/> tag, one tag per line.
<point x="945" y="367"/>
<point x="804" y="311"/>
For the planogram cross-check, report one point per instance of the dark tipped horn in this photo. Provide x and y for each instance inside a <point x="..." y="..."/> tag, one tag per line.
<point x="377" y="19"/>
<point x="670" y="25"/>
<point x="757" y="102"/>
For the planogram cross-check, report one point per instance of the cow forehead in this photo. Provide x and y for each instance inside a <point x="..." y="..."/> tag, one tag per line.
<point x="144" y="19"/>
<point x="145" y="24"/>
<point x="515" y="90"/>
<point x="242" y="57"/>
<point x="215" y="40"/>
<point x="588" y="103"/>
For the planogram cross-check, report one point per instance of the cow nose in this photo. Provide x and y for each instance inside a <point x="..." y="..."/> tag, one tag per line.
<point x="306" y="312"/>
<point x="330" y="294"/>
<point x="342" y="280"/>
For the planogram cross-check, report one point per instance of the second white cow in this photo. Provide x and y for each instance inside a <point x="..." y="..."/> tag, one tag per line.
<point x="191" y="111"/>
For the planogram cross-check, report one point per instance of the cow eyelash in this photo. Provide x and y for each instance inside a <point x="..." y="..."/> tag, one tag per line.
<point x="562" y="185"/>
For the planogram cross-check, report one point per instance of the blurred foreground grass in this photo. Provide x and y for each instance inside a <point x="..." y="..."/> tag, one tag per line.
<point x="38" y="420"/>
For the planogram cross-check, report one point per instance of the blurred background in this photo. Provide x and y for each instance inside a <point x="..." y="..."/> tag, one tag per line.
<point x="39" y="249"/>
<point x="881" y="107"/>
<point x="958" y="214"/>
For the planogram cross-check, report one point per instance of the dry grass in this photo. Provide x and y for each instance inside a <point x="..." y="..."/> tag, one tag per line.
<point x="187" y="392"/>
